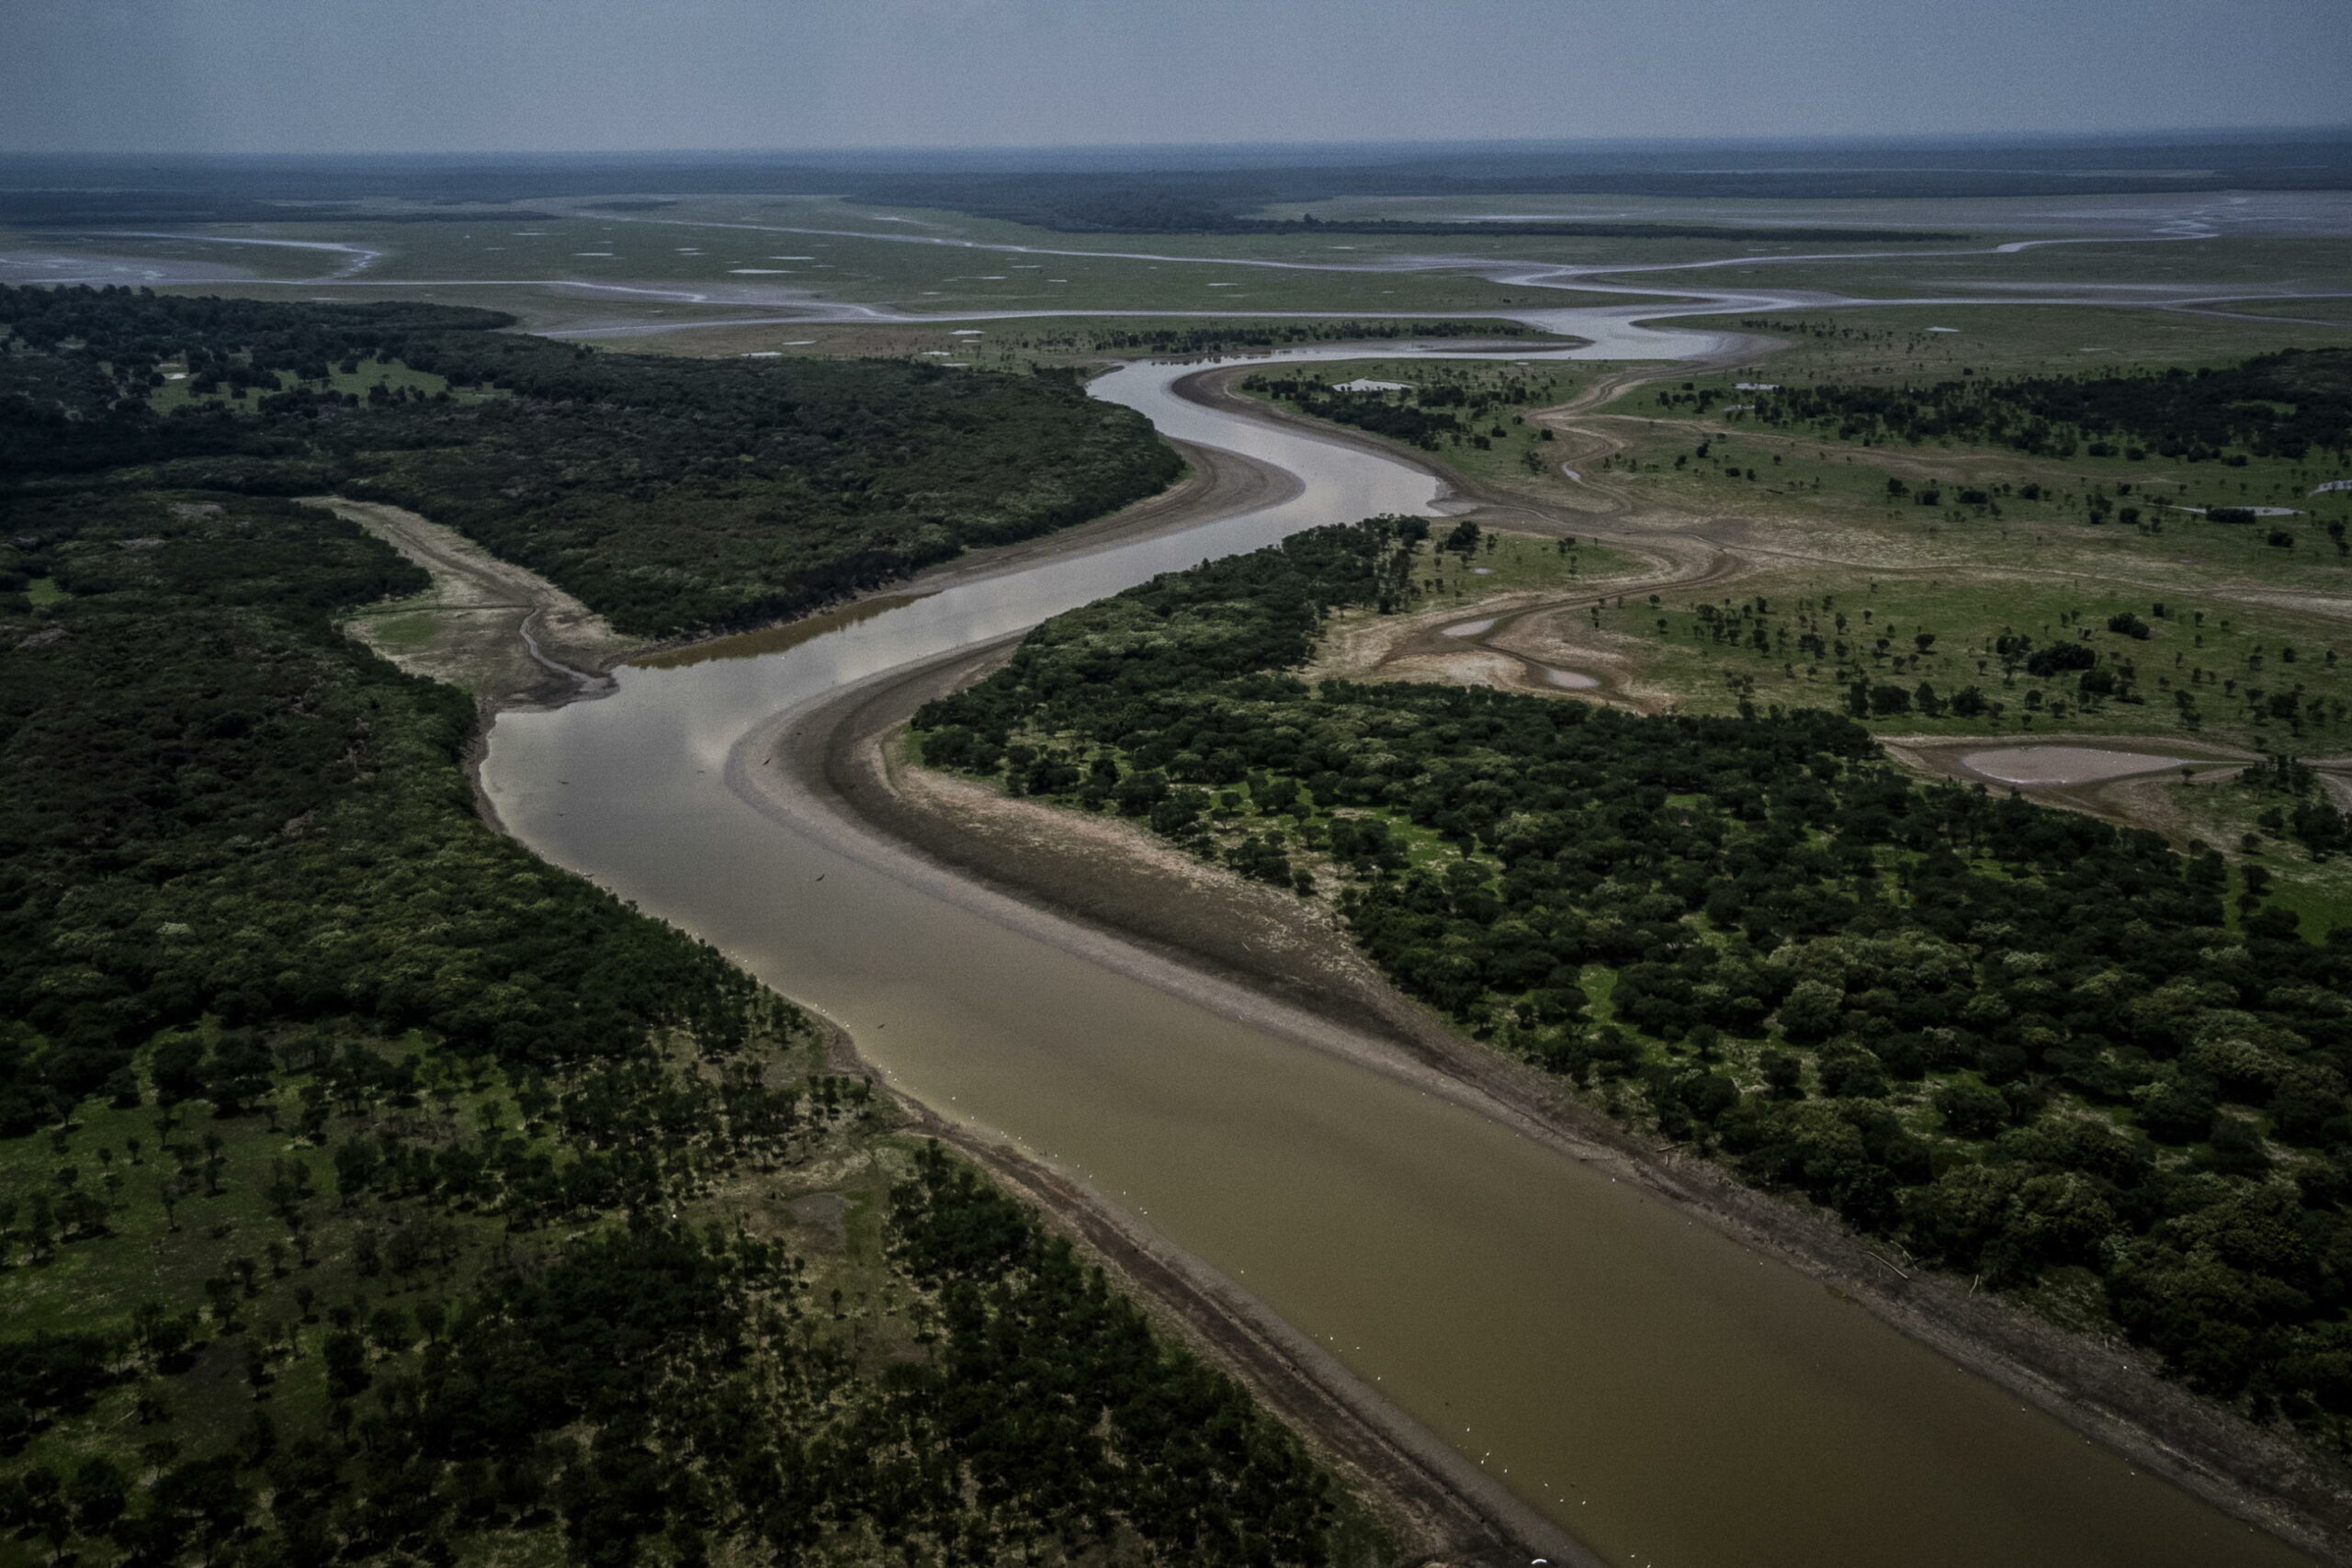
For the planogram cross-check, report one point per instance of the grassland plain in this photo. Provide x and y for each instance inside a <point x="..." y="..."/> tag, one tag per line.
<point x="1989" y="217"/>
<point x="740" y="264"/>
<point x="1294" y="249"/>
<point x="1081" y="342"/>
<point x="2139" y="270"/>
<point x="692" y="258"/>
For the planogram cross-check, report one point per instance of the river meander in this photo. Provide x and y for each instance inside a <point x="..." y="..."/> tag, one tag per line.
<point x="1666" y="1395"/>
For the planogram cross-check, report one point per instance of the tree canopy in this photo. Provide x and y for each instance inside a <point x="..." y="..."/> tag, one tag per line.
<point x="670" y="494"/>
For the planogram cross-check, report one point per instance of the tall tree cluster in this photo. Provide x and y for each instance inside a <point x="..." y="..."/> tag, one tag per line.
<point x="673" y="495"/>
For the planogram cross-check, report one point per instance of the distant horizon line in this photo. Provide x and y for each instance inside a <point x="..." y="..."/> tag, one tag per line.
<point x="2186" y="135"/>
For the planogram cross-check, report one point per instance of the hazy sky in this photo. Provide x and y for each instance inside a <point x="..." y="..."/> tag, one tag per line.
<point x="454" y="75"/>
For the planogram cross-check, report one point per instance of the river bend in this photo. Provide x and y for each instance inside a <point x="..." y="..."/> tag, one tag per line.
<point x="1664" y="1393"/>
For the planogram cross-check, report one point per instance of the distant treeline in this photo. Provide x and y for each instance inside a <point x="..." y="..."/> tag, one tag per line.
<point x="671" y="494"/>
<point x="1402" y="418"/>
<point x="1276" y="334"/>
<point x="2022" y="1043"/>
<point x="2287" y="405"/>
<point x="1155" y="213"/>
<point x="84" y="209"/>
<point x="1419" y="415"/>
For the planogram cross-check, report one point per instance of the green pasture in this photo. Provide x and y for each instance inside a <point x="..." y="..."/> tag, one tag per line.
<point x="2145" y="268"/>
<point x="2233" y="816"/>
<point x="1516" y="563"/>
<point x="369" y="373"/>
<point x="2195" y="674"/>
<point x="1878" y="344"/>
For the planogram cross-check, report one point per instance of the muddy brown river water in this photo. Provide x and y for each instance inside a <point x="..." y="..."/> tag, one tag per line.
<point x="1664" y="1393"/>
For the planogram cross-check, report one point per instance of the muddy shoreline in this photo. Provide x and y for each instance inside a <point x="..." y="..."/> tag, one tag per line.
<point x="1441" y="1510"/>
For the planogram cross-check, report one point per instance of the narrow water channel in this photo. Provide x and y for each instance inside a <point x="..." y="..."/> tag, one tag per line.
<point x="1666" y="1395"/>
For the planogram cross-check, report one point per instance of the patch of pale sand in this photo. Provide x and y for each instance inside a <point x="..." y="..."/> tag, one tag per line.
<point x="1859" y="546"/>
<point x="2333" y="608"/>
<point x="1281" y="922"/>
<point x="477" y="605"/>
<point x="1469" y="628"/>
<point x="1565" y="640"/>
<point x="1356" y="642"/>
<point x="2065" y="764"/>
<point x="1570" y="679"/>
<point x="1472" y="667"/>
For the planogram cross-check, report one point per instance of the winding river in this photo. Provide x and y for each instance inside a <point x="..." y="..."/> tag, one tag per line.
<point x="1663" y="1393"/>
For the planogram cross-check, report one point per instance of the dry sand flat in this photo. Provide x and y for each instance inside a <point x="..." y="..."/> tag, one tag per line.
<point x="501" y="632"/>
<point x="2062" y="765"/>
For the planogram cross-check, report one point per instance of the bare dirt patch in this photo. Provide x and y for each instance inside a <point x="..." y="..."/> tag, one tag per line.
<point x="504" y="632"/>
<point x="2136" y="798"/>
<point x="2033" y="765"/>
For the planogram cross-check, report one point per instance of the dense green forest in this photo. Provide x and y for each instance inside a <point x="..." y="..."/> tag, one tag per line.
<point x="1447" y="405"/>
<point x="1414" y="419"/>
<point x="2289" y="405"/>
<point x="2020" y="1042"/>
<point x="371" y="1190"/>
<point x="670" y="494"/>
